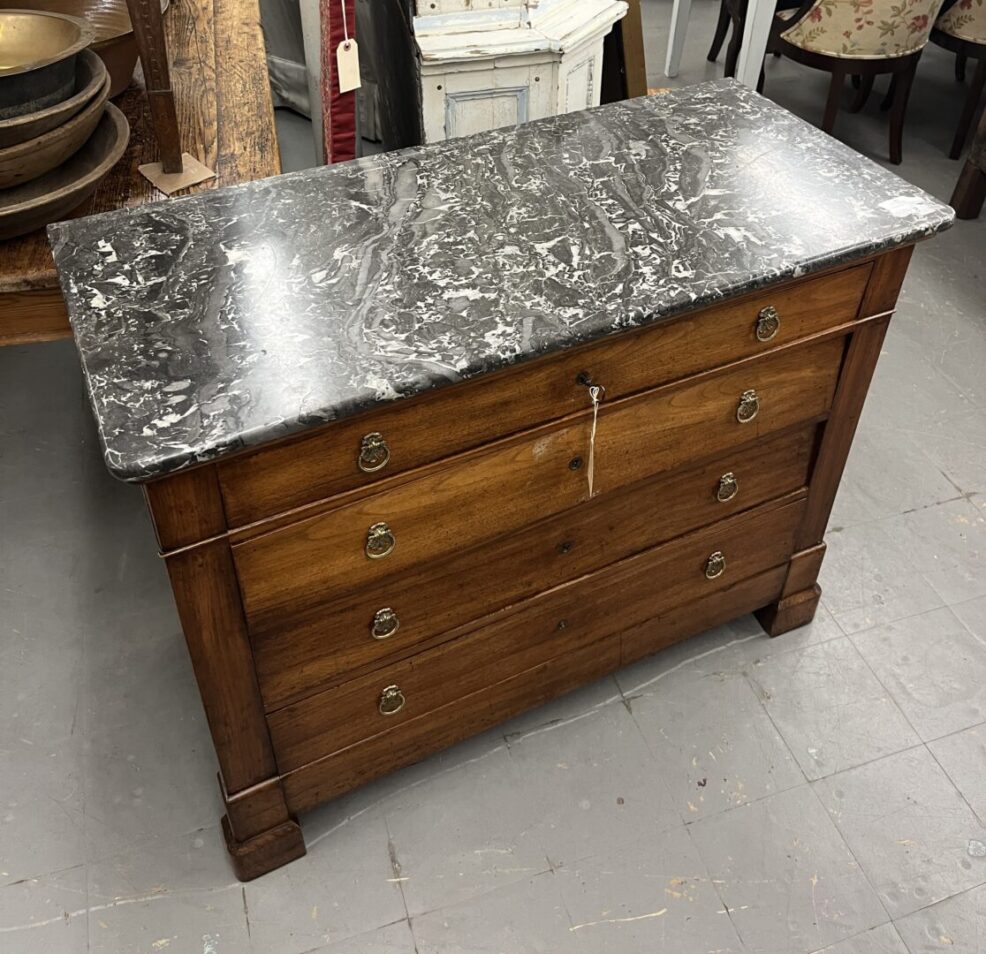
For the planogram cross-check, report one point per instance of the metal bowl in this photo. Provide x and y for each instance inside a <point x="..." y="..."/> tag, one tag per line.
<point x="90" y="75"/>
<point x="54" y="195"/>
<point x="110" y="20"/>
<point x="37" y="59"/>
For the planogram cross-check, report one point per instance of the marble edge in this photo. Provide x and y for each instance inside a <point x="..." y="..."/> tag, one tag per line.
<point x="144" y="469"/>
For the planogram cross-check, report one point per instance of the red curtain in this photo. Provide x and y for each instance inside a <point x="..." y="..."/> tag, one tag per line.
<point x="338" y="109"/>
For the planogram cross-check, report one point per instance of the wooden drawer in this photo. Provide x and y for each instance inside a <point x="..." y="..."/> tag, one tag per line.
<point x="450" y="420"/>
<point x="455" y="506"/>
<point x="296" y="657"/>
<point x="556" y="622"/>
<point x="414" y="739"/>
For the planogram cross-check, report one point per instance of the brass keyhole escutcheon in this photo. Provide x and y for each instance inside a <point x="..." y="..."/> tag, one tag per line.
<point x="385" y="623"/>
<point x="391" y="701"/>
<point x="374" y="453"/>
<point x="728" y="487"/>
<point x="768" y="323"/>
<point x="748" y="408"/>
<point x="715" y="566"/>
<point x="380" y="541"/>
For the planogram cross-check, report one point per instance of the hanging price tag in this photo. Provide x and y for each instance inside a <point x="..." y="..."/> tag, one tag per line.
<point x="347" y="63"/>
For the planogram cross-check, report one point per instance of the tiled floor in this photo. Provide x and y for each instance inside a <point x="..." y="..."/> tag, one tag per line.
<point x="822" y="791"/>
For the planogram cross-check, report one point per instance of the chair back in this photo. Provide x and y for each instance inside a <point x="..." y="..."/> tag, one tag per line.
<point x="865" y="29"/>
<point x="965" y="20"/>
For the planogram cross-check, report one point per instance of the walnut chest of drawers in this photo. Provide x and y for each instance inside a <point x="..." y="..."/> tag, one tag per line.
<point x="605" y="443"/>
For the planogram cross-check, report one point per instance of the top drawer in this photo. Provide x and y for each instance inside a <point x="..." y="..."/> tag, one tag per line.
<point x="360" y="450"/>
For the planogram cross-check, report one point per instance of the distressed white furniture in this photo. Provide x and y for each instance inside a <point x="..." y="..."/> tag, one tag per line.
<point x="508" y="61"/>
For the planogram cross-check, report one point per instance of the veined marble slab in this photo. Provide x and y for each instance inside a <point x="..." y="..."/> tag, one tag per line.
<point x="238" y="316"/>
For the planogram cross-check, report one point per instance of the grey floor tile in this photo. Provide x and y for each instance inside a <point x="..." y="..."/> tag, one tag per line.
<point x="881" y="940"/>
<point x="345" y="886"/>
<point x="45" y="915"/>
<point x="590" y="784"/>
<point x="973" y="615"/>
<point x="527" y="917"/>
<point x="714" y="744"/>
<point x="956" y="925"/>
<point x="868" y="578"/>
<point x="787" y="878"/>
<point x="653" y="896"/>
<point x="392" y="939"/>
<point x="42" y="825"/>
<point x="959" y="449"/>
<point x="747" y="655"/>
<point x="963" y="757"/>
<point x="933" y="667"/>
<point x="947" y="543"/>
<point x="830" y="708"/>
<point x="462" y="830"/>
<point x="173" y="895"/>
<point x="909" y="828"/>
<point x="887" y="474"/>
<point x="573" y="705"/>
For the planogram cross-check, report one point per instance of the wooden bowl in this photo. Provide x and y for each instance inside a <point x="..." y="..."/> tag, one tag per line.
<point x="37" y="58"/>
<point x="90" y="75"/>
<point x="53" y="196"/>
<point x="31" y="159"/>
<point x="110" y="20"/>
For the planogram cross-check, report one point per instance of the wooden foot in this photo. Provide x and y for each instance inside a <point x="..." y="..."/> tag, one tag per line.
<point x="790" y="612"/>
<point x="264" y="852"/>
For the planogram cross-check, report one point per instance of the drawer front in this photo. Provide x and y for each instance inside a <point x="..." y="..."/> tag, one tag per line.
<point x="562" y="620"/>
<point x="499" y="490"/>
<point x="436" y="425"/>
<point x="391" y="617"/>
<point x="417" y="738"/>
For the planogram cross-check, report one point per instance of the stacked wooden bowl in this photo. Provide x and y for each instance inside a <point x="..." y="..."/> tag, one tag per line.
<point x="59" y="135"/>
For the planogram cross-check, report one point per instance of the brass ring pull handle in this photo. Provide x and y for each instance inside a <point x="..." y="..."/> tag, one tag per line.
<point x="391" y="701"/>
<point x="374" y="453"/>
<point x="728" y="487"/>
<point x="380" y="541"/>
<point x="385" y="623"/>
<point x="715" y="566"/>
<point x="748" y="407"/>
<point x="768" y="323"/>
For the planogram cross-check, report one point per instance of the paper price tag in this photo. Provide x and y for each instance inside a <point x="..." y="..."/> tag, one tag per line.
<point x="347" y="63"/>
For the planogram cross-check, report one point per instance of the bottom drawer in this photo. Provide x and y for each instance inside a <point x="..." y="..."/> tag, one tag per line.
<point x="315" y="782"/>
<point x="550" y="625"/>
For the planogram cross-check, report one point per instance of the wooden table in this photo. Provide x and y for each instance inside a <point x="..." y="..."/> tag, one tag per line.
<point x="226" y="117"/>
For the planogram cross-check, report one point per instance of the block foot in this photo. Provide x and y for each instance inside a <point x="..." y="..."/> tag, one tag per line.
<point x="789" y="613"/>
<point x="264" y="852"/>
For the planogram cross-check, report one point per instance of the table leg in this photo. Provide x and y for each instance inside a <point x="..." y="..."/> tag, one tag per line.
<point x="759" y="17"/>
<point x="970" y="190"/>
<point x="676" y="41"/>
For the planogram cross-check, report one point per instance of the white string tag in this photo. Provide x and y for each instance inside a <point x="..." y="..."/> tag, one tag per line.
<point x="347" y="58"/>
<point x="594" y="394"/>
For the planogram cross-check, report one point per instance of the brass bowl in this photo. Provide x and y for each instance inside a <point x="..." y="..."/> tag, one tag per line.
<point x="37" y="59"/>
<point x="90" y="75"/>
<point x="114" y="38"/>
<point x="53" y="196"/>
<point x="31" y="159"/>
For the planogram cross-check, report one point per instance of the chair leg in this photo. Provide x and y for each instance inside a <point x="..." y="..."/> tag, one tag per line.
<point x="887" y="100"/>
<point x="832" y="104"/>
<point x="960" y="61"/>
<point x="762" y="78"/>
<point x="898" y="110"/>
<point x="863" y="90"/>
<point x="722" y="28"/>
<point x="969" y="109"/>
<point x="733" y="50"/>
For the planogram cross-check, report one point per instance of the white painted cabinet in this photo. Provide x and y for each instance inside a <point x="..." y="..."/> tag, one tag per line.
<point x="490" y="63"/>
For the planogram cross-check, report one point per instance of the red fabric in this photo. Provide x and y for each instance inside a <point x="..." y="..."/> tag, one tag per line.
<point x="338" y="109"/>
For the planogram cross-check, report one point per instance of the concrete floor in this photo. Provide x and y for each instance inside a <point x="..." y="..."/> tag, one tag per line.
<point x="823" y="791"/>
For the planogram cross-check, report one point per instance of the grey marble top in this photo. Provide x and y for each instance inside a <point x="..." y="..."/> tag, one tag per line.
<point x="235" y="317"/>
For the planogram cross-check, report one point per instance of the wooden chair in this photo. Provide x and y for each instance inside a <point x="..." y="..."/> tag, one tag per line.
<point x="962" y="29"/>
<point x="862" y="39"/>
<point x="733" y="13"/>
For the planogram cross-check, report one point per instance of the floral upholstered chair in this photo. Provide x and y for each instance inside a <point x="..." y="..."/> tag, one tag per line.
<point x="961" y="28"/>
<point x="862" y="39"/>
